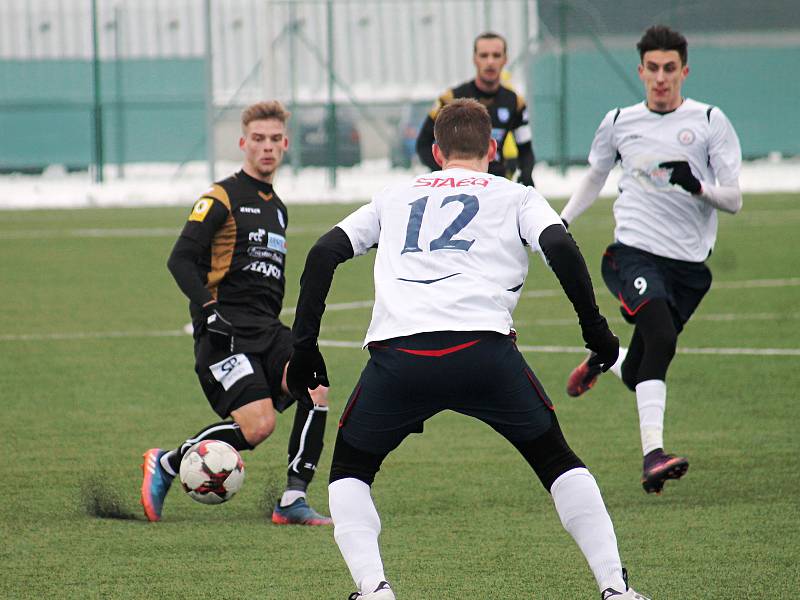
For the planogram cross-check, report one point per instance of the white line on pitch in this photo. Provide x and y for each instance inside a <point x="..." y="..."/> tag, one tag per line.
<point x="351" y="344"/>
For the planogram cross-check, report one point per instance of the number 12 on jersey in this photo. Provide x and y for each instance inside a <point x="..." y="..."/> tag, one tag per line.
<point x="444" y="241"/>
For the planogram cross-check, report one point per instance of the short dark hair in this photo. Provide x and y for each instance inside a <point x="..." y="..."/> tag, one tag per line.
<point x="489" y="35"/>
<point x="463" y="129"/>
<point x="661" y="37"/>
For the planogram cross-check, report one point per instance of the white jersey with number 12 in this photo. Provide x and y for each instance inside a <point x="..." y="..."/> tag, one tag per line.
<point x="451" y="251"/>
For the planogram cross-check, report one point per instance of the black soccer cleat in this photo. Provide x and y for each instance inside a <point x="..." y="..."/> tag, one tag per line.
<point x="658" y="467"/>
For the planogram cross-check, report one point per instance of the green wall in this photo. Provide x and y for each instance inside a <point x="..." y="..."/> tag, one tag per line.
<point x="756" y="87"/>
<point x="153" y="110"/>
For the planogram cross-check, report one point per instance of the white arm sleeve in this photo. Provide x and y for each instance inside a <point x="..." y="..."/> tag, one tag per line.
<point x="725" y="158"/>
<point x="602" y="158"/>
<point x="723" y="197"/>
<point x="584" y="196"/>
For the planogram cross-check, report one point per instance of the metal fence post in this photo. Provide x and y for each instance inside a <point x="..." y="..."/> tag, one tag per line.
<point x="97" y="108"/>
<point x="210" y="150"/>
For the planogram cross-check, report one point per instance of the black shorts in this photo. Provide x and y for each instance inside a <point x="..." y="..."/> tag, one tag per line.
<point x="408" y="380"/>
<point x="635" y="277"/>
<point x="231" y="381"/>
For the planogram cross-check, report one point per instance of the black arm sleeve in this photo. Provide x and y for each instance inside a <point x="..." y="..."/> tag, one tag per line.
<point x="424" y="143"/>
<point x="526" y="160"/>
<point x="329" y="252"/>
<point x="567" y="262"/>
<point x="182" y="263"/>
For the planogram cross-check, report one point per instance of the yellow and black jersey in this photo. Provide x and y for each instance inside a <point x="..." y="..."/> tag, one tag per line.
<point x="506" y="108"/>
<point x="233" y="249"/>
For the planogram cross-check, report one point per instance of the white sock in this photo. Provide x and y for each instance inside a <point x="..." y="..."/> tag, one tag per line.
<point x="616" y="368"/>
<point x="356" y="528"/>
<point x="290" y="496"/>
<point x="165" y="463"/>
<point x="583" y="514"/>
<point x="651" y="399"/>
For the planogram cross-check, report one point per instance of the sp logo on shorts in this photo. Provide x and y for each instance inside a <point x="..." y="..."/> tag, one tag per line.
<point x="231" y="370"/>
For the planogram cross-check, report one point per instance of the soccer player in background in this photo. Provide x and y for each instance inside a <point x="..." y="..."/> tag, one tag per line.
<point x="450" y="264"/>
<point x="230" y="262"/>
<point x="506" y="107"/>
<point x="680" y="164"/>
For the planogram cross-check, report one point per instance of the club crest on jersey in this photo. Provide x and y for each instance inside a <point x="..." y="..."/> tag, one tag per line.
<point x="503" y="114"/>
<point x="686" y="136"/>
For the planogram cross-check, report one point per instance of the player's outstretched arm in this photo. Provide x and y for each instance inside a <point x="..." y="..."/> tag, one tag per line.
<point x="565" y="259"/>
<point x="585" y="195"/>
<point x="307" y="368"/>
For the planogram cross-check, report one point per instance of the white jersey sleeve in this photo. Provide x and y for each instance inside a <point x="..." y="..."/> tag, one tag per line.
<point x="535" y="215"/>
<point x="363" y="228"/>
<point x="603" y="155"/>
<point x="724" y="150"/>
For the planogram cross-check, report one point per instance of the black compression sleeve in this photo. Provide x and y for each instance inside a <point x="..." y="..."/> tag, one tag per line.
<point x="565" y="259"/>
<point x="331" y="249"/>
<point x="182" y="263"/>
<point x="424" y="143"/>
<point x="526" y="159"/>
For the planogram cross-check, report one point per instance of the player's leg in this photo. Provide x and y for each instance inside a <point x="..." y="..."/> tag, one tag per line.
<point x="235" y="386"/>
<point x="305" y="440"/>
<point x="379" y="414"/>
<point x="305" y="450"/>
<point x="516" y="405"/>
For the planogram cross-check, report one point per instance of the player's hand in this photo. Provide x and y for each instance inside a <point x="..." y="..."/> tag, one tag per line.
<point x="305" y="372"/>
<point x="682" y="175"/>
<point x="603" y="344"/>
<point x="220" y="329"/>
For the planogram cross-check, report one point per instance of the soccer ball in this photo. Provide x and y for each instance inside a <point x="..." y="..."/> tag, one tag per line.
<point x="212" y="472"/>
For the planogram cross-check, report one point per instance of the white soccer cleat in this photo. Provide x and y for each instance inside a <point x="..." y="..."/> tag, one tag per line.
<point x="382" y="592"/>
<point x="612" y="594"/>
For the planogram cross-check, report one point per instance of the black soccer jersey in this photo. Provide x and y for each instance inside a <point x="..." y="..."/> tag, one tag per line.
<point x="236" y="233"/>
<point x="506" y="108"/>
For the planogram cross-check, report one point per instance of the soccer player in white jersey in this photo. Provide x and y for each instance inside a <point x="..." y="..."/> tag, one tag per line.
<point x="680" y="164"/>
<point x="450" y="264"/>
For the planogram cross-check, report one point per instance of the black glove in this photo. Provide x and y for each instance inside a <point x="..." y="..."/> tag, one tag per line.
<point x="682" y="175"/>
<point x="220" y="329"/>
<point x="603" y="344"/>
<point x="525" y="179"/>
<point x="305" y="372"/>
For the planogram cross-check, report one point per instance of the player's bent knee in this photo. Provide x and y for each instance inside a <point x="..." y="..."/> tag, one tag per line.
<point x="549" y="455"/>
<point x="349" y="461"/>
<point x="256" y="431"/>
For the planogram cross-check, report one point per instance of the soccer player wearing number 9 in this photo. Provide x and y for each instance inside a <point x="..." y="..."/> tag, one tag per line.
<point x="451" y="262"/>
<point x="680" y="164"/>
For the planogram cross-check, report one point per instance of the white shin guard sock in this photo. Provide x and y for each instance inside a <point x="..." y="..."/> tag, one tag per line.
<point x="583" y="514"/>
<point x="616" y="368"/>
<point x="651" y="400"/>
<point x="356" y="529"/>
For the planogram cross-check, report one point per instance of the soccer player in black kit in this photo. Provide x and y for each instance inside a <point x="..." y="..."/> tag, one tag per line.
<point x="506" y="108"/>
<point x="230" y="262"/>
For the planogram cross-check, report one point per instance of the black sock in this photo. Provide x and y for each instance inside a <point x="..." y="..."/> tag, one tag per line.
<point x="224" y="431"/>
<point x="305" y="446"/>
